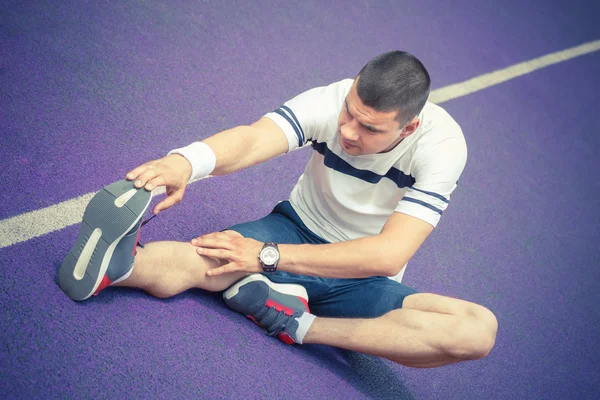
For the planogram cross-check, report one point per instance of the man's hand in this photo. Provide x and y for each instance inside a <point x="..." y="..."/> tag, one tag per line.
<point x="240" y="253"/>
<point x="172" y="171"/>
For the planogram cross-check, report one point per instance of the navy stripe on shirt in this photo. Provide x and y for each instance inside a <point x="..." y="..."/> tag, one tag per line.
<point x="437" y="210"/>
<point x="336" y="163"/>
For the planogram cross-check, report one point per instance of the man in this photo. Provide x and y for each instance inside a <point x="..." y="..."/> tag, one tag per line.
<point x="317" y="269"/>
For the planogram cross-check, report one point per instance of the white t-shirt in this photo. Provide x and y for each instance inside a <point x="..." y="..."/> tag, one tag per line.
<point x="342" y="197"/>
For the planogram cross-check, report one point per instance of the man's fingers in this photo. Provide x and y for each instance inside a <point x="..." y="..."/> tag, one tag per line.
<point x="147" y="175"/>
<point x="221" y="254"/>
<point x="163" y="205"/>
<point x="136" y="172"/>
<point x="225" y="269"/>
<point x="215" y="240"/>
<point x="168" y="202"/>
<point x="155" y="182"/>
<point x="213" y="243"/>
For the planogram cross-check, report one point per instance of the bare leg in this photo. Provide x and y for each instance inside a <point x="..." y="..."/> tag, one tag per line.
<point x="429" y="331"/>
<point x="164" y="269"/>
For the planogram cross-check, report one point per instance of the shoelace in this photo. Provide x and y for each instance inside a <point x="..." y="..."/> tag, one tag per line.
<point x="278" y="324"/>
<point x="139" y="243"/>
<point x="148" y="220"/>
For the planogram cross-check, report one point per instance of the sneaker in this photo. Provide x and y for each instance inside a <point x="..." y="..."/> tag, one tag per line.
<point x="107" y="241"/>
<point x="121" y="262"/>
<point x="275" y="307"/>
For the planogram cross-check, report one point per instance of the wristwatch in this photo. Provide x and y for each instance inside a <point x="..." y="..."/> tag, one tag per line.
<point x="269" y="257"/>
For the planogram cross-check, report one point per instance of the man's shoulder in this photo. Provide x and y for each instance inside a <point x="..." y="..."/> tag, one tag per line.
<point x="436" y="118"/>
<point x="439" y="126"/>
<point x="333" y="93"/>
<point x="342" y="87"/>
<point x="323" y="101"/>
<point x="441" y="137"/>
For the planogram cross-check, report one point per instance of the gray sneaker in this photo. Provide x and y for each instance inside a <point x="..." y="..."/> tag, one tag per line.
<point x="105" y="247"/>
<point x="273" y="306"/>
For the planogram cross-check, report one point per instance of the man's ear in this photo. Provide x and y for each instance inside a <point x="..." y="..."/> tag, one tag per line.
<point x="410" y="128"/>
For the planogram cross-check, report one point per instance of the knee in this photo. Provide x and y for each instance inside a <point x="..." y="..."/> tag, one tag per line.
<point x="477" y="334"/>
<point x="486" y="332"/>
<point x="194" y="270"/>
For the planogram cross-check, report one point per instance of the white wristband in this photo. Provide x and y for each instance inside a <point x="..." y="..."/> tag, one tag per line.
<point x="201" y="157"/>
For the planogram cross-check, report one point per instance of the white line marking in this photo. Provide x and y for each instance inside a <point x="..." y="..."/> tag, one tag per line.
<point x="32" y="224"/>
<point x="502" y="75"/>
<point x="36" y="223"/>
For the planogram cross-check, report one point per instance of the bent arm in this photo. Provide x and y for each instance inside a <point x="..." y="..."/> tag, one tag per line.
<point x="384" y="254"/>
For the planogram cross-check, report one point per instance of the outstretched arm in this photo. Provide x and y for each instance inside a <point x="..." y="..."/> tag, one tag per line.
<point x="228" y="151"/>
<point x="245" y="146"/>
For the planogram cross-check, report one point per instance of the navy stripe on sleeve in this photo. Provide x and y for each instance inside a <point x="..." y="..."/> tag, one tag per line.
<point x="437" y="210"/>
<point x="438" y="196"/>
<point x="289" y="110"/>
<point x="288" y="119"/>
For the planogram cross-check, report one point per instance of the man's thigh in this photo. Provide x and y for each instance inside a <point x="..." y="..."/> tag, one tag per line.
<point x="274" y="227"/>
<point x="328" y="297"/>
<point x="361" y="298"/>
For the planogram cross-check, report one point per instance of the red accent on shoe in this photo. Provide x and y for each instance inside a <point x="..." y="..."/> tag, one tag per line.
<point x="137" y="239"/>
<point x="288" y="311"/>
<point x="303" y="300"/>
<point x="253" y="320"/>
<point x="285" y="338"/>
<point x="103" y="284"/>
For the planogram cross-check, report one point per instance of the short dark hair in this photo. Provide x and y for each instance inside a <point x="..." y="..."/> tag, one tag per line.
<point x="395" y="81"/>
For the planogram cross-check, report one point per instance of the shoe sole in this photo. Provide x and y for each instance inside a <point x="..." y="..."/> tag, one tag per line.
<point x="291" y="289"/>
<point x="111" y="213"/>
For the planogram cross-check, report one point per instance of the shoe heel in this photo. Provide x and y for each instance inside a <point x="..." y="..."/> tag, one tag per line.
<point x="292" y="289"/>
<point x="80" y="269"/>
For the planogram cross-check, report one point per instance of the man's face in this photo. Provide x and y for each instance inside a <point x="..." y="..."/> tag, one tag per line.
<point x="362" y="130"/>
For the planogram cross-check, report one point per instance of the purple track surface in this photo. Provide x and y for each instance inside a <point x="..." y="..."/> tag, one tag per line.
<point x="89" y="90"/>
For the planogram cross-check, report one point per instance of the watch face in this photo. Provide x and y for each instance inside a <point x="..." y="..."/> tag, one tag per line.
<point x="269" y="255"/>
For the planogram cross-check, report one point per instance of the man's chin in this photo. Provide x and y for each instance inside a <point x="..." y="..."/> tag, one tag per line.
<point x="349" y="149"/>
<point x="355" y="151"/>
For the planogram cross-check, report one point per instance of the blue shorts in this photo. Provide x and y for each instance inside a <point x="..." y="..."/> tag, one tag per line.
<point x="328" y="297"/>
